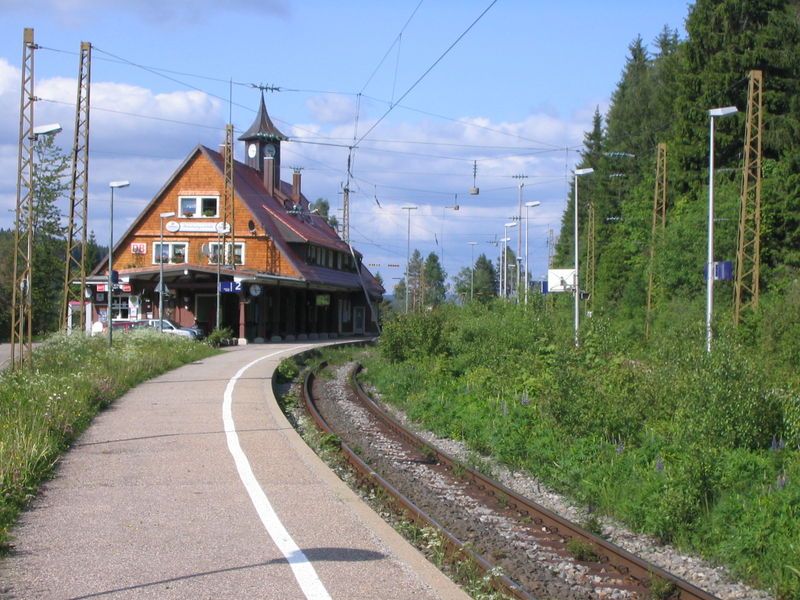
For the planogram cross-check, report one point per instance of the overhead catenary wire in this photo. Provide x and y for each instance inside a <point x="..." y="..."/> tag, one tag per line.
<point x="428" y="70"/>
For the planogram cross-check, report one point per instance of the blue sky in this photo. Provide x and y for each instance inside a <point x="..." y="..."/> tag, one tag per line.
<point x="516" y="91"/>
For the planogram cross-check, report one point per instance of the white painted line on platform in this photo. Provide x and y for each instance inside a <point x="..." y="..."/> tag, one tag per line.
<point x="301" y="567"/>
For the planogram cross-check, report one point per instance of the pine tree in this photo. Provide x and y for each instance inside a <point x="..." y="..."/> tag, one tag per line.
<point x="48" y="235"/>
<point x="433" y="281"/>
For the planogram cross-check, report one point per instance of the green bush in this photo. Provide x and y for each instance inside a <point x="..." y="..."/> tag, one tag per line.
<point x="287" y="370"/>
<point x="219" y="336"/>
<point x="676" y="442"/>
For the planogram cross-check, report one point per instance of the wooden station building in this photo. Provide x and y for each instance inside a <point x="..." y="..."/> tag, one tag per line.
<point x="285" y="272"/>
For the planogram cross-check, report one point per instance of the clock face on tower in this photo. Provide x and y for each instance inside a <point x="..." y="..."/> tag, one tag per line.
<point x="269" y="150"/>
<point x="251" y="150"/>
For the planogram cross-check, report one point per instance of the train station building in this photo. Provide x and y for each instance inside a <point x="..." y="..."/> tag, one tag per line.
<point x="283" y="271"/>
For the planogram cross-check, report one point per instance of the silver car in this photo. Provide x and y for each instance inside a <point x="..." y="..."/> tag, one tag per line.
<point x="169" y="326"/>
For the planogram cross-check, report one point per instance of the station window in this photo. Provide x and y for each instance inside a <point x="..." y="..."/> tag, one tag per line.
<point x="121" y="306"/>
<point x="214" y="253"/>
<point x="173" y="252"/>
<point x="198" y="206"/>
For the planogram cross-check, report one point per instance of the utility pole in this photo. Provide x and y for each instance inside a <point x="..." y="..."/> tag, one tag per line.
<point x="229" y="212"/>
<point x="78" y="196"/>
<point x="21" y="343"/>
<point x="748" y="254"/>
<point x="408" y="252"/>
<point x="657" y="231"/>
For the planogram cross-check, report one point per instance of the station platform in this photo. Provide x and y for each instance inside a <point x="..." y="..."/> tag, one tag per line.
<point x="194" y="485"/>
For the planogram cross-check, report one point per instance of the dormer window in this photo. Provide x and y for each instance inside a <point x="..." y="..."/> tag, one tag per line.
<point x="192" y="207"/>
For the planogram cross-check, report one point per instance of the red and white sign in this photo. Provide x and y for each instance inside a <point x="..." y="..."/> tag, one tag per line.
<point x="138" y="248"/>
<point x="123" y="287"/>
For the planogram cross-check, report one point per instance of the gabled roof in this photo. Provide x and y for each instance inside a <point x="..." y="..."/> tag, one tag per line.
<point x="290" y="225"/>
<point x="262" y="128"/>
<point x="283" y="220"/>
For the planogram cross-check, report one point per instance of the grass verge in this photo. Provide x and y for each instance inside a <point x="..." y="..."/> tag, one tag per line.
<point x="46" y="406"/>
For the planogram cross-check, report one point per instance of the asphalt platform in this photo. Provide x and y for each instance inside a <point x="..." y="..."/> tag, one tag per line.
<point x="194" y="485"/>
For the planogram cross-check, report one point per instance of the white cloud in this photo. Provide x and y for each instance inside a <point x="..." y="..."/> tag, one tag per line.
<point x="424" y="162"/>
<point x="331" y="108"/>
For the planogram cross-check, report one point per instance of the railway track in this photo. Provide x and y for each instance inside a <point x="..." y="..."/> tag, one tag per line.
<point x="530" y="551"/>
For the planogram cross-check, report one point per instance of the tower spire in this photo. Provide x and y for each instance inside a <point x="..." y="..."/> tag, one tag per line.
<point x="263" y="145"/>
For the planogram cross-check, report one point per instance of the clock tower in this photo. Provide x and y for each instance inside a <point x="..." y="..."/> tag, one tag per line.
<point x="262" y="143"/>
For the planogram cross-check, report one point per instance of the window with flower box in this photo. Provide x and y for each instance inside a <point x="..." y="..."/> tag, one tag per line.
<point x="191" y="207"/>
<point x="172" y="253"/>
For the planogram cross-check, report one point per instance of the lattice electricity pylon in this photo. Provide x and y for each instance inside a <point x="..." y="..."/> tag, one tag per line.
<point x="590" y="256"/>
<point x="657" y="232"/>
<point x="78" y="196"/>
<point x="228" y="210"/>
<point x="21" y="309"/>
<point x="748" y="255"/>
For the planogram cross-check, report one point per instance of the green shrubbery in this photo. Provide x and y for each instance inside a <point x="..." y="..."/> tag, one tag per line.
<point x="45" y="407"/>
<point x="697" y="449"/>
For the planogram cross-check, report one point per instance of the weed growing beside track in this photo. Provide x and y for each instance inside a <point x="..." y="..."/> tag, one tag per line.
<point x="698" y="450"/>
<point x="45" y="407"/>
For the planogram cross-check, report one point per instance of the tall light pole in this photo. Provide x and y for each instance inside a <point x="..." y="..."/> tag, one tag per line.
<point x="455" y="207"/>
<point x="528" y="207"/>
<point x="519" y="220"/>
<point x="162" y="216"/>
<point x="506" y="227"/>
<point x="113" y="185"/>
<point x="576" y="286"/>
<point x="408" y="250"/>
<point x="714" y="112"/>
<point x="472" y="271"/>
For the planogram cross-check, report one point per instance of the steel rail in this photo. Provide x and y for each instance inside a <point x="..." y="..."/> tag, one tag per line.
<point x="454" y="546"/>
<point x="627" y="564"/>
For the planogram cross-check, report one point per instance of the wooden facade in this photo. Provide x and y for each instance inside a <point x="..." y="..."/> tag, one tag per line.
<point x="289" y="275"/>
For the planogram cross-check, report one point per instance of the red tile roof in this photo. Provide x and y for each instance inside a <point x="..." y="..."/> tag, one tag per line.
<point x="286" y="223"/>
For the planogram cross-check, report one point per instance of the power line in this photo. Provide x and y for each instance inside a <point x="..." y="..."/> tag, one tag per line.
<point x="392" y="45"/>
<point x="428" y="70"/>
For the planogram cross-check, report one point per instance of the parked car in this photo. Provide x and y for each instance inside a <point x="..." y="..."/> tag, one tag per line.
<point x="171" y="327"/>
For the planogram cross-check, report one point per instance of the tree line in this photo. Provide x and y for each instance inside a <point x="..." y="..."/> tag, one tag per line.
<point x="48" y="258"/>
<point x="663" y="96"/>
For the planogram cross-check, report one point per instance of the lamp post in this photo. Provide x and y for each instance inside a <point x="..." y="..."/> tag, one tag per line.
<point x="408" y="250"/>
<point x="113" y="185"/>
<point x="162" y="216"/>
<point x="503" y="241"/>
<point x="576" y="286"/>
<point x="472" y="271"/>
<point x="528" y="207"/>
<point x="506" y="239"/>
<point x="714" y="112"/>
<point x="455" y="207"/>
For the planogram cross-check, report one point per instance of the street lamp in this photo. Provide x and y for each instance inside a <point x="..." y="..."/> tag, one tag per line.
<point x="504" y="260"/>
<point x="50" y="129"/>
<point x="576" y="287"/>
<point x="408" y="250"/>
<point x="455" y="208"/>
<point x="472" y="271"/>
<point x="162" y="216"/>
<point x="113" y="185"/>
<point x="528" y="206"/>
<point x="714" y="112"/>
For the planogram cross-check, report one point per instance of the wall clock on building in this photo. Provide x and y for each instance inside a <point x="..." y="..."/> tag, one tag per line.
<point x="269" y="150"/>
<point x="255" y="290"/>
<point x="251" y="150"/>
